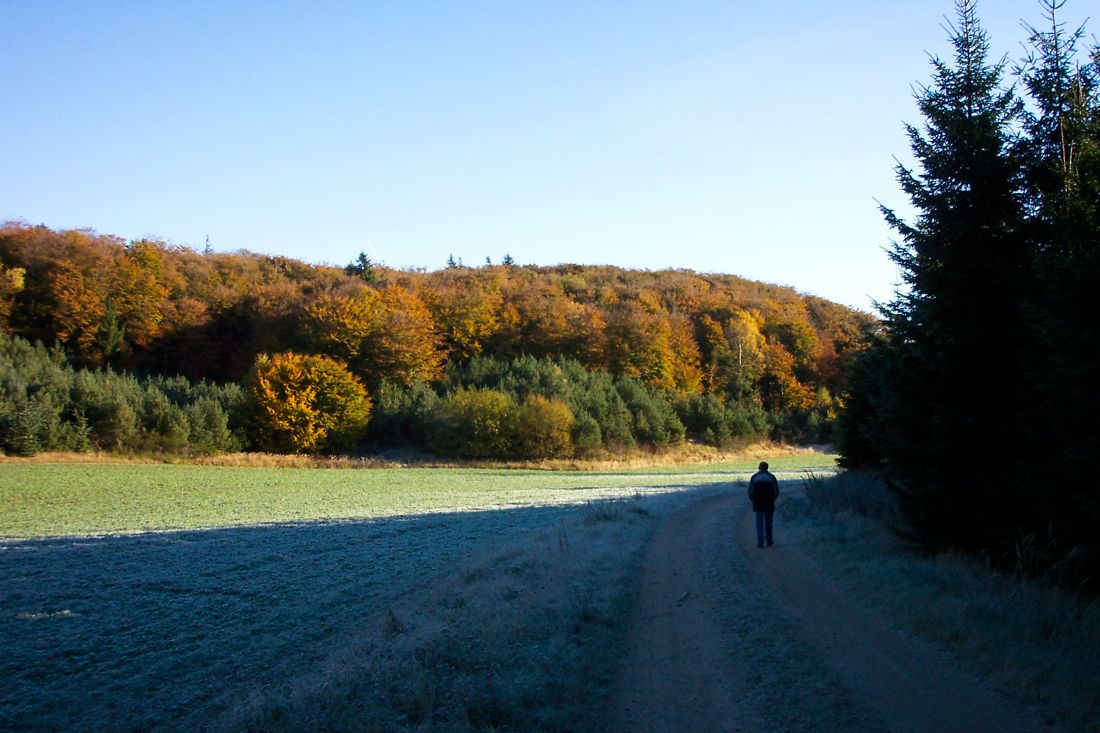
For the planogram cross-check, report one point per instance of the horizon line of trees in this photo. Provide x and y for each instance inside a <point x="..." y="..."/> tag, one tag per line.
<point x="978" y="400"/>
<point x="725" y="357"/>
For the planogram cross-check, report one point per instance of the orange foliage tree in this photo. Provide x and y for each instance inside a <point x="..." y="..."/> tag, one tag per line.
<point x="467" y="313"/>
<point x="657" y="348"/>
<point x="80" y="307"/>
<point x="779" y="388"/>
<point x="385" y="334"/>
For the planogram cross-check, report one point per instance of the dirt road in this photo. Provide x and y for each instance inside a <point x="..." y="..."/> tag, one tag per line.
<point x="728" y="637"/>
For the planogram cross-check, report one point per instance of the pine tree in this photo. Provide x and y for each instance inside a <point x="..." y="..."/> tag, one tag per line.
<point x="363" y="268"/>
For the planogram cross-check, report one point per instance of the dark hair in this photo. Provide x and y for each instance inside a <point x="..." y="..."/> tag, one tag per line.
<point x="763" y="465"/>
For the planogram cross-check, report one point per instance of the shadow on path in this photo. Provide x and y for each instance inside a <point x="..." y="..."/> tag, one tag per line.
<point x="694" y="661"/>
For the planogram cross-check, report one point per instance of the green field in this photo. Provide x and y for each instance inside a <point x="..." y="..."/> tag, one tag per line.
<point x="49" y="500"/>
<point x="166" y="596"/>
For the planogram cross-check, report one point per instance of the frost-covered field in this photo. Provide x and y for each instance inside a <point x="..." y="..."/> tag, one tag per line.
<point x="146" y="596"/>
<point x="49" y="500"/>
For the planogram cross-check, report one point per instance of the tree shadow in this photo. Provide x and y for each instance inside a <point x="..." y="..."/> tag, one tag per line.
<point x="167" y="629"/>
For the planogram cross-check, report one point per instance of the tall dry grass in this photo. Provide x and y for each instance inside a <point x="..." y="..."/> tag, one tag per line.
<point x="689" y="453"/>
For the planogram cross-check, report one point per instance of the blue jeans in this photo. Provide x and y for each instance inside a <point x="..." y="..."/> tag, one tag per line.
<point x="764" y="527"/>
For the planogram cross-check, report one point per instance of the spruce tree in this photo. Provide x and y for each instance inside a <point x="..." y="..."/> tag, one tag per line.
<point x="950" y="367"/>
<point x="1063" y="197"/>
<point x="978" y="399"/>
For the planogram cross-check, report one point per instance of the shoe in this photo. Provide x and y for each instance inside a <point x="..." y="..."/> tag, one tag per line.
<point x="770" y="544"/>
<point x="759" y="544"/>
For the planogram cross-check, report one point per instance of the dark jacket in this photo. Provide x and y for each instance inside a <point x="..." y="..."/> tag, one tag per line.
<point x="763" y="490"/>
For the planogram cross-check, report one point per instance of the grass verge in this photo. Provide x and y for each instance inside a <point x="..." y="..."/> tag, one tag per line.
<point x="523" y="639"/>
<point x="1035" y="642"/>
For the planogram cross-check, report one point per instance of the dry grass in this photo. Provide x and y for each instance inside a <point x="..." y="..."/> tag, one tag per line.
<point x="229" y="460"/>
<point x="688" y="454"/>
<point x="523" y="639"/>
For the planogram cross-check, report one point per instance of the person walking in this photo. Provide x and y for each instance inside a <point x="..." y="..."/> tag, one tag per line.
<point x="763" y="491"/>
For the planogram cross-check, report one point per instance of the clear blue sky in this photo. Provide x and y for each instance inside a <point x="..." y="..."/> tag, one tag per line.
<point x="737" y="137"/>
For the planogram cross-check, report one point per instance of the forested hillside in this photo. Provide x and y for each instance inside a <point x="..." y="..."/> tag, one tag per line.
<point x="589" y="358"/>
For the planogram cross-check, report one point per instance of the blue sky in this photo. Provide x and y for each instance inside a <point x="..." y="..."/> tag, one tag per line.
<point x="736" y="137"/>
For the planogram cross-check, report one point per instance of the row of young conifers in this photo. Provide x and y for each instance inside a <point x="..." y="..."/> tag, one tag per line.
<point x="487" y="408"/>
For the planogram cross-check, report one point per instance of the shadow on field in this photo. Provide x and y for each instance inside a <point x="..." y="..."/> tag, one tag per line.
<point x="166" y="629"/>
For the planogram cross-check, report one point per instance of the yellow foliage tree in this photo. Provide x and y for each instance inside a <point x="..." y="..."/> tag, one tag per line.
<point x="339" y="325"/>
<point x="735" y="351"/>
<point x="11" y="283"/>
<point x="385" y="334"/>
<point x="138" y="295"/>
<point x="659" y="348"/>
<point x="306" y="404"/>
<point x="468" y="315"/>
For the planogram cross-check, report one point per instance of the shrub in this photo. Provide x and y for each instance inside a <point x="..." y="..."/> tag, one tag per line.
<point x="306" y="404"/>
<point x="476" y="423"/>
<point x="708" y="418"/>
<point x="544" y="428"/>
<point x="24" y="428"/>
<point x="860" y="493"/>
<point x="113" y="404"/>
<point x="165" y="425"/>
<point x="704" y="417"/>
<point x="594" y="394"/>
<point x="209" y="424"/>
<point x="45" y="405"/>
<point x="746" y="419"/>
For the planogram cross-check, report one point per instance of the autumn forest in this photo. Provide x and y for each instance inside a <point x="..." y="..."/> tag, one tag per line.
<point x="149" y="346"/>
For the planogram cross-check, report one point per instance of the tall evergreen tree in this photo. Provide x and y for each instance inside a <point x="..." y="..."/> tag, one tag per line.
<point x="950" y="367"/>
<point x="1063" y="196"/>
<point x="978" y="400"/>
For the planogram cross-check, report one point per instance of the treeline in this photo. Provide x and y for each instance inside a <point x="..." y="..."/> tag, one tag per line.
<point x="712" y="357"/>
<point x="47" y="405"/>
<point x="541" y="408"/>
<point x="979" y="399"/>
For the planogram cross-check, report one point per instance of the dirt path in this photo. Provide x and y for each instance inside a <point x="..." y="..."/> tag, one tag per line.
<point x="728" y="637"/>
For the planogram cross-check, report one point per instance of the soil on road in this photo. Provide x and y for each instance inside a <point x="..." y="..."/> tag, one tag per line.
<point x="729" y="637"/>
